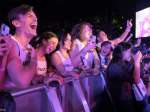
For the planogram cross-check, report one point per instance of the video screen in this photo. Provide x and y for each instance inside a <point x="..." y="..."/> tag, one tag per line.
<point x="142" y="23"/>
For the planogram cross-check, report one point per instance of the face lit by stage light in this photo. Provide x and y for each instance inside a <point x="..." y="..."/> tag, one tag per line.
<point x="27" y="24"/>
<point x="67" y="42"/>
<point x="106" y="50"/>
<point x="102" y="36"/>
<point x="51" y="45"/>
<point x="85" y="33"/>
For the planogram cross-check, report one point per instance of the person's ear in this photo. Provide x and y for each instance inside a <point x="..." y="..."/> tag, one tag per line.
<point x="16" y="23"/>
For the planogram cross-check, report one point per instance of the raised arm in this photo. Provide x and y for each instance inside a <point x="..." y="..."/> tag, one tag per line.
<point x="137" y="62"/>
<point x="124" y="34"/>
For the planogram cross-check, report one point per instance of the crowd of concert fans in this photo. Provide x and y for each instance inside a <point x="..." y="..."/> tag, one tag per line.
<point x="113" y="73"/>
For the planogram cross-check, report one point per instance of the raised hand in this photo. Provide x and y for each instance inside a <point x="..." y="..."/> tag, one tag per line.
<point x="129" y="24"/>
<point x="137" y="57"/>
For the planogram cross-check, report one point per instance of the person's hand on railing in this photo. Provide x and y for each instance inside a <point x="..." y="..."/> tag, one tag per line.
<point x="38" y="79"/>
<point x="75" y="75"/>
<point x="55" y="76"/>
<point x="86" y="71"/>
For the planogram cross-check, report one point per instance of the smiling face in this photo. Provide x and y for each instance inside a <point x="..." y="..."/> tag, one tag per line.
<point x="26" y="24"/>
<point x="106" y="49"/>
<point x="67" y="42"/>
<point x="50" y="45"/>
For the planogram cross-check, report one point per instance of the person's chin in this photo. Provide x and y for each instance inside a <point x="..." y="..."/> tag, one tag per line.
<point x="34" y="34"/>
<point x="68" y="48"/>
<point x="48" y="52"/>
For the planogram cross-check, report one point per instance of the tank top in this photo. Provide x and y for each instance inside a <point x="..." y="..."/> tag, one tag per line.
<point x="66" y="62"/>
<point x="22" y="55"/>
<point x="21" y="51"/>
<point x="41" y="67"/>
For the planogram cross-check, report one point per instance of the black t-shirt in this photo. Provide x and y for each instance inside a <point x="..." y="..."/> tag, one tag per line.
<point x="120" y="79"/>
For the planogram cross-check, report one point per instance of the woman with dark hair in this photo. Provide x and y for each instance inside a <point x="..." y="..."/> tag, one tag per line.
<point x="46" y="44"/>
<point x="61" y="58"/>
<point x="122" y="72"/>
<point x="62" y="62"/>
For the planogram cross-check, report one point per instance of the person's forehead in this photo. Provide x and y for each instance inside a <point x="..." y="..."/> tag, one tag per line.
<point x="86" y="27"/>
<point x="31" y="12"/>
<point x="107" y="46"/>
<point x="53" y="39"/>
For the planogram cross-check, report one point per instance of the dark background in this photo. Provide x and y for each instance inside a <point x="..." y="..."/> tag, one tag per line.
<point x="60" y="15"/>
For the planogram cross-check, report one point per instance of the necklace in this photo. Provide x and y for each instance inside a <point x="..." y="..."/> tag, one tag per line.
<point x="24" y="48"/>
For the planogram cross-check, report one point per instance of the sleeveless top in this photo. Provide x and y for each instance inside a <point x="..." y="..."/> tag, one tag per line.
<point x="22" y="52"/>
<point x="66" y="62"/>
<point x="22" y="55"/>
<point x="41" y="67"/>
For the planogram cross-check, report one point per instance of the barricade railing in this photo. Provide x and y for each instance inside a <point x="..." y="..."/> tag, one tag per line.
<point x="43" y="98"/>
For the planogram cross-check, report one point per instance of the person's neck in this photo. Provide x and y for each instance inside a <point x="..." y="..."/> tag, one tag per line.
<point x="40" y="52"/>
<point x="84" y="42"/>
<point x="63" y="50"/>
<point x="22" y="39"/>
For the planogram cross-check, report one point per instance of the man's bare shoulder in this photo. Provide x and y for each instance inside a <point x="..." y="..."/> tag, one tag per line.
<point x="13" y="52"/>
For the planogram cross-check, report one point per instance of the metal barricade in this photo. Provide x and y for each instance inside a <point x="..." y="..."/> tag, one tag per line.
<point x="37" y="99"/>
<point x="33" y="99"/>
<point x="53" y="99"/>
<point x="44" y="98"/>
<point x="75" y="97"/>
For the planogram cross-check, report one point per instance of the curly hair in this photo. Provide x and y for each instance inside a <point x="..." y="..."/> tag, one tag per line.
<point x="77" y="29"/>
